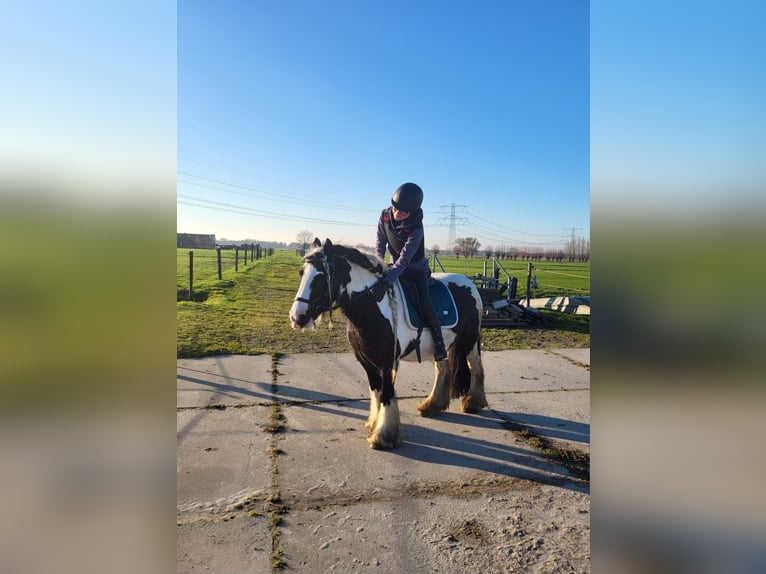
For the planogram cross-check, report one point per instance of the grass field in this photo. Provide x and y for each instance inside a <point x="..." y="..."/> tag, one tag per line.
<point x="247" y="311"/>
<point x="553" y="278"/>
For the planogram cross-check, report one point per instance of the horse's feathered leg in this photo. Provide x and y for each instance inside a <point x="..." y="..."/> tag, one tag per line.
<point x="376" y="385"/>
<point x="475" y="400"/>
<point x="386" y="432"/>
<point x="438" y="400"/>
<point x="374" y="408"/>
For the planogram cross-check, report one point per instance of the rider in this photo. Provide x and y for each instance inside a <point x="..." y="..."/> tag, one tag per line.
<point x="400" y="228"/>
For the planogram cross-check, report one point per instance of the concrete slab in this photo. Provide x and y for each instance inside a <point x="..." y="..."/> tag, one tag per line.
<point x="222" y="459"/>
<point x="321" y="377"/>
<point x="532" y="370"/>
<point x="562" y="416"/>
<point x="462" y="494"/>
<point x="525" y="527"/>
<point x="578" y="305"/>
<point x="236" y="545"/>
<point x="223" y="380"/>
<point x="326" y="456"/>
<point x="581" y="356"/>
<point x="339" y="376"/>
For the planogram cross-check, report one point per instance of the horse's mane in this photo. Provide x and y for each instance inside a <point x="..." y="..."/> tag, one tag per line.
<point x="368" y="261"/>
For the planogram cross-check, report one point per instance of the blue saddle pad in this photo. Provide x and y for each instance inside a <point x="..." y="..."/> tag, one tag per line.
<point x="444" y="304"/>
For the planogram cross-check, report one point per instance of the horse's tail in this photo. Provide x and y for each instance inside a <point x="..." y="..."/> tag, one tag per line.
<point x="459" y="373"/>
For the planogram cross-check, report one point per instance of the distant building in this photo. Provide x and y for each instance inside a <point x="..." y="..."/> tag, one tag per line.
<point x="195" y="240"/>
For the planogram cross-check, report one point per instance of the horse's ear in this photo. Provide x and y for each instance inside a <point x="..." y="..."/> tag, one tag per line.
<point x="316" y="243"/>
<point x="327" y="246"/>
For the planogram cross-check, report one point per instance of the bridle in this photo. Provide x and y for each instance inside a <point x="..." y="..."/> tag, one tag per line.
<point x="315" y="306"/>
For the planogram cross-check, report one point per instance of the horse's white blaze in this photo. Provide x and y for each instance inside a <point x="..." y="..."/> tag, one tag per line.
<point x="300" y="308"/>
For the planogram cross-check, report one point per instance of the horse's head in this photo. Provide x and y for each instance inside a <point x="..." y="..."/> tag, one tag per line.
<point x="314" y="295"/>
<point x="327" y="280"/>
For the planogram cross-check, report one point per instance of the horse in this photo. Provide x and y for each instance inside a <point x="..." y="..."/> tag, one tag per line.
<point x="337" y="276"/>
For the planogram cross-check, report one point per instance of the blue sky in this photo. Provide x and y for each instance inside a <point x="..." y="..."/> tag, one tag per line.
<point x="307" y="115"/>
<point x="678" y="120"/>
<point x="88" y="99"/>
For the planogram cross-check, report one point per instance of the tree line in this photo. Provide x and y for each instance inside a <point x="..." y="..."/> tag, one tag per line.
<point x="573" y="250"/>
<point x="577" y="249"/>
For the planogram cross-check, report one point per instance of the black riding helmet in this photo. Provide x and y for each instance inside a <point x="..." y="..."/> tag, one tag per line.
<point x="408" y="197"/>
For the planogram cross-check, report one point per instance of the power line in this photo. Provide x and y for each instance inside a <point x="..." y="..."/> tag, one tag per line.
<point x="240" y="209"/>
<point x="512" y="230"/>
<point x="497" y="232"/>
<point x="489" y="234"/>
<point x="263" y="194"/>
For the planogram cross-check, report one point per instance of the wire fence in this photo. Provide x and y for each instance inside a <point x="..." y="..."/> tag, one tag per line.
<point x="544" y="278"/>
<point x="200" y="266"/>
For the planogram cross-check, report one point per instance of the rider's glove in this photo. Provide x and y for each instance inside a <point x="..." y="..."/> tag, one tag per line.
<point x="378" y="290"/>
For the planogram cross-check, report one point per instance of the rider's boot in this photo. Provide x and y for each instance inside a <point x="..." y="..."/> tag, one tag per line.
<point x="436" y="332"/>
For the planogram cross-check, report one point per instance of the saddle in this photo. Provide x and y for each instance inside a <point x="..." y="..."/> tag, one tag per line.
<point x="444" y="303"/>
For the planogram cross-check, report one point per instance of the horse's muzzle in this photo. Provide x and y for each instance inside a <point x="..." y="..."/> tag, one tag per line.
<point x="300" y="317"/>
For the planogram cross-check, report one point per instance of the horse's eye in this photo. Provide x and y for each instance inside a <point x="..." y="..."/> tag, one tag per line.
<point x="300" y="273"/>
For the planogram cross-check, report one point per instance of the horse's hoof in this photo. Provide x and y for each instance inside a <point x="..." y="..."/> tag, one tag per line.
<point x="473" y="405"/>
<point x="429" y="409"/>
<point x="381" y="442"/>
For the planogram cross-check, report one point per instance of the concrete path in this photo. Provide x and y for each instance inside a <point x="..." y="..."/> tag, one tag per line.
<point x="274" y="471"/>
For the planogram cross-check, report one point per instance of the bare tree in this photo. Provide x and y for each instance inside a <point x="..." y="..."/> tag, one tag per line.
<point x="304" y="237"/>
<point x="577" y="249"/>
<point x="468" y="246"/>
<point x="435" y="249"/>
<point x="488" y="251"/>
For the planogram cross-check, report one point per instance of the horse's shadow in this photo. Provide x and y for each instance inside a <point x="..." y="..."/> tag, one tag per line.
<point x="239" y="391"/>
<point x="498" y="451"/>
<point x="494" y="449"/>
<point x="504" y="456"/>
<point x="231" y="391"/>
<point x="242" y="389"/>
<point x="545" y="426"/>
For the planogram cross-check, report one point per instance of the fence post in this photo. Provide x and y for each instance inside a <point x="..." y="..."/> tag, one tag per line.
<point x="236" y="258"/>
<point x="529" y="280"/>
<point x="191" y="273"/>
<point x="218" y="250"/>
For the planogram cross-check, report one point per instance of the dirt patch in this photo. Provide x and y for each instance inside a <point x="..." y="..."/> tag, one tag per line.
<point x="471" y="529"/>
<point x="473" y="486"/>
<point x="197" y="296"/>
<point x="575" y="461"/>
<point x="544" y="530"/>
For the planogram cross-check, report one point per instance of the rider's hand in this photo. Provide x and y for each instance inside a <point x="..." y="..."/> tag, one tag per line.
<point x="378" y="290"/>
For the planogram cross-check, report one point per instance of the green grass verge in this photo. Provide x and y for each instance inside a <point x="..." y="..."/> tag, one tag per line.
<point x="247" y="313"/>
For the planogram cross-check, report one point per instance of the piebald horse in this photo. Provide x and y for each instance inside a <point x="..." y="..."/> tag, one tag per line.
<point x="335" y="276"/>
